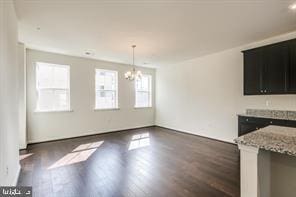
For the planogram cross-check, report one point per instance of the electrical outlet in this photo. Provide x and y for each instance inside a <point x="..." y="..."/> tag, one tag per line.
<point x="267" y="103"/>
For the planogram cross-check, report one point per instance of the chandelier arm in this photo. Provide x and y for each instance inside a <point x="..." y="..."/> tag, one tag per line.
<point x="133" y="56"/>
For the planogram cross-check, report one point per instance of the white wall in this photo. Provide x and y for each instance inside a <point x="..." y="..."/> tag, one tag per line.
<point x="9" y="158"/>
<point x="83" y="120"/>
<point x="22" y="96"/>
<point x="203" y="96"/>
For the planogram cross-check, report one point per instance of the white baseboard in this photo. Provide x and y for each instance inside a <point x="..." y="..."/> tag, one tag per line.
<point x="15" y="180"/>
<point x="23" y="146"/>
<point x="86" y="134"/>
<point x="191" y="133"/>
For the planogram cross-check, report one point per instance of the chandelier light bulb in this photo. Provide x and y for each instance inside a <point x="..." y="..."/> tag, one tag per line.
<point x="293" y="6"/>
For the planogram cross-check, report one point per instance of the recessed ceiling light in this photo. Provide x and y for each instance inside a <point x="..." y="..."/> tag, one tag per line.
<point x="293" y="6"/>
<point x="89" y="53"/>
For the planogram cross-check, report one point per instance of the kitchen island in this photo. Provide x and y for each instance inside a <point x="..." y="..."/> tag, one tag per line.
<point x="255" y="149"/>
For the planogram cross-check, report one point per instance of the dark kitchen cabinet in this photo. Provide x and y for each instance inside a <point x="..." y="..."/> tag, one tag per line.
<point x="245" y="128"/>
<point x="275" y="62"/>
<point x="291" y="71"/>
<point x="270" y="69"/>
<point x="248" y="124"/>
<point x="253" y="72"/>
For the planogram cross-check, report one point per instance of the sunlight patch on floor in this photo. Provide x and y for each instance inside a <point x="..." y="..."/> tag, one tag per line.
<point x="139" y="141"/>
<point x="79" y="154"/>
<point x="88" y="146"/>
<point x="25" y="156"/>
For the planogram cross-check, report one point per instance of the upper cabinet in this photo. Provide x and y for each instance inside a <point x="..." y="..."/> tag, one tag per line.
<point x="270" y="69"/>
<point x="253" y="68"/>
<point x="275" y="62"/>
<point x="291" y="71"/>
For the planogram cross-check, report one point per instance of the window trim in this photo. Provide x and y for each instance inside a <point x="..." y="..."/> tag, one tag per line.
<point x="53" y="111"/>
<point x="37" y="89"/>
<point x="116" y="91"/>
<point x="107" y="109"/>
<point x="150" y="105"/>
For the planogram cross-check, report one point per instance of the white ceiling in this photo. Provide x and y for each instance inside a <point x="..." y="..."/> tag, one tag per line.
<point x="165" y="31"/>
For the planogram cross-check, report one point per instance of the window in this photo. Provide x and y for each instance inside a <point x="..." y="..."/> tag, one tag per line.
<point x="106" y="89"/>
<point x="53" y="87"/>
<point x="143" y="91"/>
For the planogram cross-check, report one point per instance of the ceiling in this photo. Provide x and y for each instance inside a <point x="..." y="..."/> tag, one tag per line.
<point x="165" y="31"/>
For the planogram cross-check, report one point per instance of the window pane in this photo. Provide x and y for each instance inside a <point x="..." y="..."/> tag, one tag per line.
<point x="61" y="100"/>
<point x="105" y="99"/>
<point x="106" y="89"/>
<point x="50" y="99"/>
<point x="143" y="83"/>
<point x="44" y="75"/>
<point x="105" y="80"/>
<point x="45" y="100"/>
<point x="143" y="91"/>
<point x="110" y="81"/>
<point x="60" y="77"/>
<point x="142" y="99"/>
<point x="53" y="87"/>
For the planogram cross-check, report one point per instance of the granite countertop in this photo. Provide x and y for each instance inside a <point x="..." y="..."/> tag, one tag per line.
<point x="273" y="114"/>
<point x="272" y="138"/>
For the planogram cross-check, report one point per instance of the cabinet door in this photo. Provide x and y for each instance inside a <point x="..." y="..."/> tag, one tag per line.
<point x="249" y="124"/>
<point x="252" y="72"/>
<point x="245" y="128"/>
<point x="276" y="58"/>
<point x="291" y="72"/>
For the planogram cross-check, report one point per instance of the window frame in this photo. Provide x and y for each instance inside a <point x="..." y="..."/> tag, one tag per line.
<point x="37" y="109"/>
<point x="116" y="107"/>
<point x="150" y="101"/>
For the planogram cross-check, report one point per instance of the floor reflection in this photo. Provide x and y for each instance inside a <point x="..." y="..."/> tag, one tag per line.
<point x="79" y="154"/>
<point x="139" y="141"/>
<point x="25" y="156"/>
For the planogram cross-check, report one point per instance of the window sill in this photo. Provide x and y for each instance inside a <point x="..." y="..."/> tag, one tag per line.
<point x="142" y="107"/>
<point x="53" y="111"/>
<point x="107" y="109"/>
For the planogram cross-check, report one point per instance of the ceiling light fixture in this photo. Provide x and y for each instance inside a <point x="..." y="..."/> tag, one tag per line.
<point x="89" y="53"/>
<point x="133" y="74"/>
<point x="293" y="6"/>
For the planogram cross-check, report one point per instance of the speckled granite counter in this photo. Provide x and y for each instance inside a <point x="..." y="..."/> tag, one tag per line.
<point x="273" y="114"/>
<point x="273" y="138"/>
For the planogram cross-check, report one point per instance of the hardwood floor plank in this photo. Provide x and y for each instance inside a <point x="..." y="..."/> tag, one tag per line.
<point x="149" y="161"/>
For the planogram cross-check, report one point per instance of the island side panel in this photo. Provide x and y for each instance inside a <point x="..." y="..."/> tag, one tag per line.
<point x="249" y="171"/>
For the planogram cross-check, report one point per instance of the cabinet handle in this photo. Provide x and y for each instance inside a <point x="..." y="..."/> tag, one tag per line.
<point x="265" y="90"/>
<point x="261" y="91"/>
<point x="247" y="119"/>
<point x="270" y="122"/>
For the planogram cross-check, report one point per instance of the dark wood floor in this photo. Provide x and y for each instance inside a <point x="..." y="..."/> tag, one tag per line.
<point x="141" y="162"/>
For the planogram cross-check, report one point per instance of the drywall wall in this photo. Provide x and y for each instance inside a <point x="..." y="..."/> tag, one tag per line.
<point x="204" y="95"/>
<point x="9" y="146"/>
<point x="22" y="96"/>
<point x="83" y="120"/>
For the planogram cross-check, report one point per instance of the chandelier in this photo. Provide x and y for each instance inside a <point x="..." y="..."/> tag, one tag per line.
<point x="133" y="74"/>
